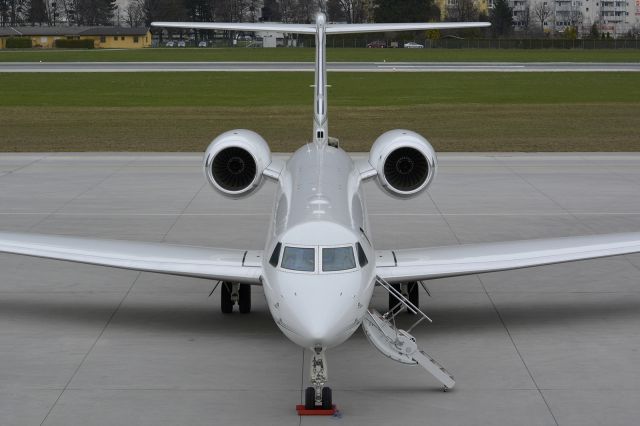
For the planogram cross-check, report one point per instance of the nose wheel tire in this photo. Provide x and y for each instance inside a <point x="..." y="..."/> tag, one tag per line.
<point x="310" y="399"/>
<point x="327" y="402"/>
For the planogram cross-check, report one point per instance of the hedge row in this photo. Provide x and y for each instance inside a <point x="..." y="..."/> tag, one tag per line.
<point x="18" y="43"/>
<point x="74" y="44"/>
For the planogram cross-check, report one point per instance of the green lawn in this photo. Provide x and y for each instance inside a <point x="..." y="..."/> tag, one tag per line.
<point x="246" y="89"/>
<point x="456" y="111"/>
<point x="334" y="54"/>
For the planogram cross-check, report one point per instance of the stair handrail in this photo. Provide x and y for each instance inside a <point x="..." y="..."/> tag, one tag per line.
<point x="402" y="299"/>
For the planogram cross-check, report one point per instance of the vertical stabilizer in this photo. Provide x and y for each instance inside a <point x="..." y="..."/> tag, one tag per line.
<point x="320" y="119"/>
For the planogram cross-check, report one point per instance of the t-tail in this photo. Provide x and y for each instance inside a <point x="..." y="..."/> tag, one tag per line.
<point x="321" y="29"/>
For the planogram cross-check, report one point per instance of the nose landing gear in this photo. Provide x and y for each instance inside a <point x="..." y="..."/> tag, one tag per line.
<point x="317" y="398"/>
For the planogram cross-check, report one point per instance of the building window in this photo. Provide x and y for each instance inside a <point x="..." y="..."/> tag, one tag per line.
<point x="135" y="39"/>
<point x="122" y="38"/>
<point x="103" y="39"/>
<point x="115" y="38"/>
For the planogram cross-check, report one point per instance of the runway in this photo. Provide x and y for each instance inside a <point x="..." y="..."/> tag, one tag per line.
<point x="86" y="345"/>
<point x="31" y="67"/>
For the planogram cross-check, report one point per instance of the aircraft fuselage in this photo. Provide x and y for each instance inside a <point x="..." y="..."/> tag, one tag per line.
<point x="317" y="284"/>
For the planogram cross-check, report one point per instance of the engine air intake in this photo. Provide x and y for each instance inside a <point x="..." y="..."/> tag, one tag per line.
<point x="233" y="169"/>
<point x="406" y="169"/>
<point x="405" y="162"/>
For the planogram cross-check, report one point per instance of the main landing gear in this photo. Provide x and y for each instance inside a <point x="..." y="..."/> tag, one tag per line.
<point x="317" y="397"/>
<point x="409" y="290"/>
<point x="232" y="293"/>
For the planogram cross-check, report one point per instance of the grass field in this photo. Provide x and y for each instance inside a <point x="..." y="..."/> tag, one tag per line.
<point x="337" y="55"/>
<point x="457" y="112"/>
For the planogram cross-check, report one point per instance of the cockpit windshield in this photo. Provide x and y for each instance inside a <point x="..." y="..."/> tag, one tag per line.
<point x="299" y="259"/>
<point x="337" y="259"/>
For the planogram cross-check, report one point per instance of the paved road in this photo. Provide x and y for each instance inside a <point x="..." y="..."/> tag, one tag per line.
<point x="86" y="345"/>
<point x="307" y="66"/>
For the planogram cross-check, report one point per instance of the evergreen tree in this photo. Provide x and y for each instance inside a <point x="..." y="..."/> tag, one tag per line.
<point x="37" y="12"/>
<point x="406" y="11"/>
<point x="501" y="18"/>
<point x="95" y="12"/>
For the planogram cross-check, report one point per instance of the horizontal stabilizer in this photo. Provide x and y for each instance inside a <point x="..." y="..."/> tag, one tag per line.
<point x="412" y="26"/>
<point x="330" y="28"/>
<point x="241" y="26"/>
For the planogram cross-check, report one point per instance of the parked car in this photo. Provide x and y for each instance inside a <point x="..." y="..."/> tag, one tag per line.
<point x="412" y="45"/>
<point x="170" y="44"/>
<point x="181" y="43"/>
<point x="378" y="44"/>
<point x="202" y="44"/>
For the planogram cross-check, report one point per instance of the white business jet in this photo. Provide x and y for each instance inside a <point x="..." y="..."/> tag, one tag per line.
<point x="319" y="267"/>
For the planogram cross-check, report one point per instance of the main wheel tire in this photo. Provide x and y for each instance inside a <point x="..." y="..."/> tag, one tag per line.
<point x="392" y="299"/>
<point x="244" y="302"/>
<point x="309" y="398"/>
<point x="327" y="402"/>
<point x="414" y="293"/>
<point x="226" y="304"/>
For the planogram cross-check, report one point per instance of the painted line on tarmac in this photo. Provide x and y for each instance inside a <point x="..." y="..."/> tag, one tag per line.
<point x="134" y="214"/>
<point x="63" y="67"/>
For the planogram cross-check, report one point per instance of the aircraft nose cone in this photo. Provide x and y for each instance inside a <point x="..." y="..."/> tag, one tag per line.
<point x="319" y="331"/>
<point x="321" y="324"/>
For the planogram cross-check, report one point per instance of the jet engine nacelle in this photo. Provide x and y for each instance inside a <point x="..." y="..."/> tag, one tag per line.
<point x="405" y="162"/>
<point x="234" y="162"/>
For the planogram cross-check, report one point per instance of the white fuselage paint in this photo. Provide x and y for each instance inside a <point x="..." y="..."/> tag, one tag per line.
<point x="318" y="203"/>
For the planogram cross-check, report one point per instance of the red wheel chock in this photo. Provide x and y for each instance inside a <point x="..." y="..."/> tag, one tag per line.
<point x="316" y="411"/>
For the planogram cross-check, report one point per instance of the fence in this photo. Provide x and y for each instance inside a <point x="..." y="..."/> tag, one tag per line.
<point x="490" y="43"/>
<point x="444" y="43"/>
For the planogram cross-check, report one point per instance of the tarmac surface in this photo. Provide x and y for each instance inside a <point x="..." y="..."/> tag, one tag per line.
<point x="309" y="66"/>
<point x="87" y="345"/>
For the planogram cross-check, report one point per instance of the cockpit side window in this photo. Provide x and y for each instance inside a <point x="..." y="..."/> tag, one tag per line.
<point x="275" y="256"/>
<point x="362" y="257"/>
<point x="337" y="259"/>
<point x="299" y="259"/>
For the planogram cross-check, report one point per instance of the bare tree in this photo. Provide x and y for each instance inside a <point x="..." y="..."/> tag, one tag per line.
<point x="524" y="18"/>
<point x="232" y="10"/>
<point x="307" y="10"/>
<point x="575" y="17"/>
<point x="463" y="10"/>
<point x="542" y="12"/>
<point x="134" y="13"/>
<point x="288" y="10"/>
<point x="353" y="11"/>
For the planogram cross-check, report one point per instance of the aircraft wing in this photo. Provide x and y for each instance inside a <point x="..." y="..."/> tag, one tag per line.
<point x="190" y="261"/>
<point x="437" y="262"/>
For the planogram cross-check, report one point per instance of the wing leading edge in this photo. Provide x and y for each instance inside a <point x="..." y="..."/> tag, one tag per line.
<point x="438" y="262"/>
<point x="190" y="261"/>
